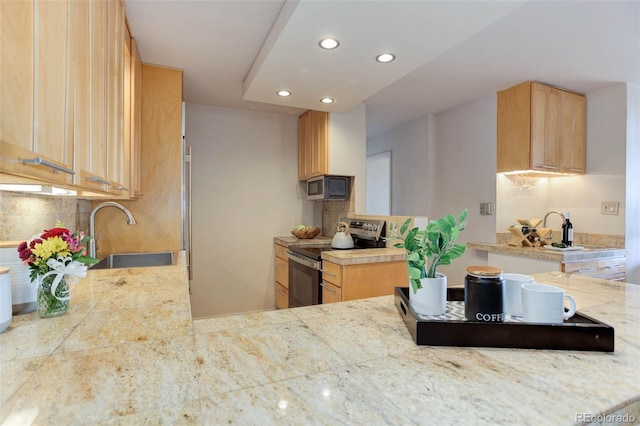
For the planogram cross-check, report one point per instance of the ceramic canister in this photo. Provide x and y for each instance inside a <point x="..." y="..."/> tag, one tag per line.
<point x="483" y="294"/>
<point x="23" y="291"/>
<point x="5" y="299"/>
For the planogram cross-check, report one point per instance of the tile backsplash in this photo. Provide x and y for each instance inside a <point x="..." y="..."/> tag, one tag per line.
<point x="24" y="215"/>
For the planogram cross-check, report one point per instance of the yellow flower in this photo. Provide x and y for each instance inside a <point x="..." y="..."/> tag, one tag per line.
<point x="54" y="246"/>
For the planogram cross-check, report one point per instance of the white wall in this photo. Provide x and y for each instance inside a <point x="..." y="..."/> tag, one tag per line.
<point x="348" y="150"/>
<point x="465" y="164"/>
<point x="245" y="192"/>
<point x="455" y="153"/>
<point x="442" y="164"/>
<point x="582" y="195"/>
<point x="410" y="147"/>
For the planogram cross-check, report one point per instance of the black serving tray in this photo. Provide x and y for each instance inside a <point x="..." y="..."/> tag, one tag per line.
<point x="580" y="332"/>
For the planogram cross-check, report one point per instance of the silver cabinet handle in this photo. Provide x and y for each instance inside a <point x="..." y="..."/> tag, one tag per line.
<point x="120" y="188"/>
<point x="614" y="266"/>
<point x="96" y="179"/>
<point x="576" y="170"/>
<point x="328" y="288"/>
<point x="543" y="166"/>
<point x="56" y="168"/>
<point x="580" y="271"/>
<point x="324" y="271"/>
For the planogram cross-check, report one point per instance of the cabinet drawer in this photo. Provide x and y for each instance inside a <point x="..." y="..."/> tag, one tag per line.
<point x="281" y="251"/>
<point x="282" y="297"/>
<point x="613" y="264"/>
<point x="584" y="268"/>
<point x="282" y="272"/>
<point x="332" y="272"/>
<point x="330" y="293"/>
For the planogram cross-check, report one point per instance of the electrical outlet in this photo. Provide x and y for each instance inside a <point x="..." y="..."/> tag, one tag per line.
<point x="485" y="209"/>
<point x="610" y="207"/>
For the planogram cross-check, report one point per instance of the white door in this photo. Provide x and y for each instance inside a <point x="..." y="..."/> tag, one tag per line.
<point x="379" y="184"/>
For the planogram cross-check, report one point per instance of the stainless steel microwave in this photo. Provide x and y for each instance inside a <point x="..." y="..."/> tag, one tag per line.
<point x="329" y="187"/>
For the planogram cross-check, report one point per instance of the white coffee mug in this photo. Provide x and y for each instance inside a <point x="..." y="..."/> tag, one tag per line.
<point x="542" y="303"/>
<point x="512" y="292"/>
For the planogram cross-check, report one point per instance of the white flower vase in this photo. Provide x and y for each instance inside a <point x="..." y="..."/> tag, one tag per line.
<point x="431" y="299"/>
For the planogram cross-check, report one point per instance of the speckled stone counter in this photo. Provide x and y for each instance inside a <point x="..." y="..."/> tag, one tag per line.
<point x="356" y="256"/>
<point x="128" y="353"/>
<point x="589" y="253"/>
<point x="290" y="240"/>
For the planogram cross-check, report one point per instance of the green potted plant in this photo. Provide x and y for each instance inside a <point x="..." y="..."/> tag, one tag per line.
<point x="427" y="249"/>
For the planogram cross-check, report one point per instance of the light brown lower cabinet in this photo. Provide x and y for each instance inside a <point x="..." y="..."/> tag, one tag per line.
<point x="331" y="293"/>
<point x="613" y="269"/>
<point x="282" y="296"/>
<point x="281" y="285"/>
<point x="360" y="281"/>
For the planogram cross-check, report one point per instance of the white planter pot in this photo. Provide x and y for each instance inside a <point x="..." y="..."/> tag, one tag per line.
<point x="431" y="299"/>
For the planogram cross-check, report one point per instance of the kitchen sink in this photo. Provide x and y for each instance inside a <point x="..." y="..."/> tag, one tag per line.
<point x="135" y="260"/>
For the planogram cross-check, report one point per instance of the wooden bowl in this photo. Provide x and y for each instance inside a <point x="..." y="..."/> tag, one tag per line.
<point x="306" y="234"/>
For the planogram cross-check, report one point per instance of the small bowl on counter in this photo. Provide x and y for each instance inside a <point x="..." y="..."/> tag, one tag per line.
<point x="306" y="233"/>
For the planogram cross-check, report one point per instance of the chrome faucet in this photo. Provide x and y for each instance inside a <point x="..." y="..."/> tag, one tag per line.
<point x="544" y="221"/>
<point x="92" y="223"/>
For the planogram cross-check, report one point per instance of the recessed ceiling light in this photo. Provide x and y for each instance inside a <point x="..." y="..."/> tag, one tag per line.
<point x="329" y="43"/>
<point x="327" y="100"/>
<point x="283" y="93"/>
<point x="385" y="58"/>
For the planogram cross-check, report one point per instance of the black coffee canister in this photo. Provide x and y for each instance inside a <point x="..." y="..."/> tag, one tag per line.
<point x="483" y="294"/>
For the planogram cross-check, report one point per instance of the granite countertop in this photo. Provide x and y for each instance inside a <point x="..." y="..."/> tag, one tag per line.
<point x="372" y="255"/>
<point x="128" y="352"/>
<point x="589" y="252"/>
<point x="290" y="240"/>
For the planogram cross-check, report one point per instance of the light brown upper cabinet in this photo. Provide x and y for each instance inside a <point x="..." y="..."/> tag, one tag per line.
<point x="62" y="94"/>
<point x="36" y="137"/>
<point x="313" y="144"/>
<point x="541" y="128"/>
<point x="88" y="38"/>
<point x="135" y="117"/>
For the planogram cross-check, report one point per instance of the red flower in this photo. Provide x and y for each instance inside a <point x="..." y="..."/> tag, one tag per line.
<point x="24" y="251"/>
<point x="54" y="232"/>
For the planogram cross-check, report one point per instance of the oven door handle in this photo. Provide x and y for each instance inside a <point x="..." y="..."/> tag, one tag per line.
<point x="314" y="264"/>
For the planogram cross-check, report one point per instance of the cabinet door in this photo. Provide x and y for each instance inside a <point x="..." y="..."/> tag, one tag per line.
<point x="80" y="52"/>
<point x="94" y="174"/>
<point x="320" y="145"/>
<point x="135" y="166"/>
<point x="545" y="109"/>
<point x="330" y="293"/>
<point x="115" y="96"/>
<point x="304" y="146"/>
<point x="35" y="126"/>
<point x="573" y="132"/>
<point x="281" y="297"/>
<point x="282" y="272"/>
<point x="332" y="272"/>
<point x="16" y="69"/>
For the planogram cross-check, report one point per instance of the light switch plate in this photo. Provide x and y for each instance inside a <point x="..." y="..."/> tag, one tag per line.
<point x="610" y="207"/>
<point x="485" y="209"/>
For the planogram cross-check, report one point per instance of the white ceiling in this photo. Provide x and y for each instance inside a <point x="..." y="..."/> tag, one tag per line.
<point x="238" y="53"/>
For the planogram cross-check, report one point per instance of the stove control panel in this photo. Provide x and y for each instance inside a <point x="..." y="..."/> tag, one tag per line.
<point x="366" y="228"/>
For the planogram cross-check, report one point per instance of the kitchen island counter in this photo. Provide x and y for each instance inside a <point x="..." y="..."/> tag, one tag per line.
<point x="589" y="253"/>
<point x="127" y="352"/>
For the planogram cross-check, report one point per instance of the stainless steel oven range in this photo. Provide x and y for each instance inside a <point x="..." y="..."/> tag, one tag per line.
<point x="305" y="262"/>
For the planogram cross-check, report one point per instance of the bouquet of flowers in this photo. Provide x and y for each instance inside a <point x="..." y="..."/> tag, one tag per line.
<point x="56" y="258"/>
